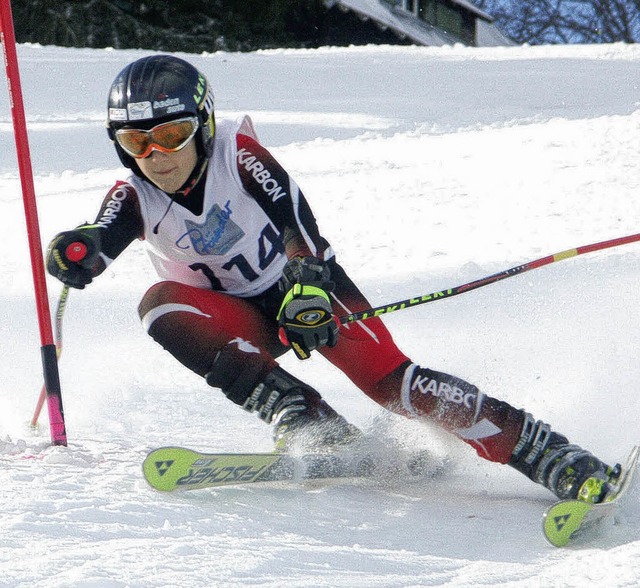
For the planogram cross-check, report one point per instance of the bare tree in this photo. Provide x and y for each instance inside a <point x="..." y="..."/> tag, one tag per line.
<point x="566" y="21"/>
<point x="610" y="21"/>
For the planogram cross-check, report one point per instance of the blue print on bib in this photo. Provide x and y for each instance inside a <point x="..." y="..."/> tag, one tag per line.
<point x="215" y="236"/>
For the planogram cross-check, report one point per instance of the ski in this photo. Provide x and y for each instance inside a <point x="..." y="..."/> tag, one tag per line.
<point x="171" y="469"/>
<point x="568" y="520"/>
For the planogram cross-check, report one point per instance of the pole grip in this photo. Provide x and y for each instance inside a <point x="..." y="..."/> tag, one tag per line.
<point x="76" y="251"/>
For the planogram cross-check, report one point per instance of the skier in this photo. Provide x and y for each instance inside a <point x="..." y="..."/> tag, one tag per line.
<point x="246" y="275"/>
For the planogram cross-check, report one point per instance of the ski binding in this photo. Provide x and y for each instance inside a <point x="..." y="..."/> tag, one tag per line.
<point x="568" y="520"/>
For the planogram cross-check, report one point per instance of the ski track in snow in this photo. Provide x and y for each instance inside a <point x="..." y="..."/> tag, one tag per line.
<point x="426" y="168"/>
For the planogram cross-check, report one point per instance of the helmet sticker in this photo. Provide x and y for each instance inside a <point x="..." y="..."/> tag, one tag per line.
<point x="117" y="114"/>
<point x="200" y="89"/>
<point x="171" y="105"/>
<point x="208" y="102"/>
<point x="139" y="110"/>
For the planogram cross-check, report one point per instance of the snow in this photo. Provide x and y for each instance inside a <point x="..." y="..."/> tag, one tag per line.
<point x="426" y="168"/>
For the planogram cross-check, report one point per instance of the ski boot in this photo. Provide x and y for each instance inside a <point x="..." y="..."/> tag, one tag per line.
<point x="299" y="414"/>
<point x="301" y="419"/>
<point x="567" y="470"/>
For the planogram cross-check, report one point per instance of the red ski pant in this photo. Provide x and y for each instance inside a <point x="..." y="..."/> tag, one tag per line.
<point x="194" y="324"/>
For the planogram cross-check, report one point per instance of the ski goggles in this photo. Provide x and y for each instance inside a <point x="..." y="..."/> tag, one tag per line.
<point x="167" y="137"/>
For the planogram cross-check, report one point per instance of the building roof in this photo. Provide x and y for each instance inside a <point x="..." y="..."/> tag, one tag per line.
<point x="406" y="26"/>
<point x="471" y="8"/>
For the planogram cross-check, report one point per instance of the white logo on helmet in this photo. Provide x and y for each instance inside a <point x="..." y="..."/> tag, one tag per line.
<point x="140" y="110"/>
<point x="170" y="105"/>
<point x="117" y="114"/>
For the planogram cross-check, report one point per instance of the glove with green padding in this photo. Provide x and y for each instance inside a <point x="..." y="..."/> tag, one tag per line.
<point x="305" y="317"/>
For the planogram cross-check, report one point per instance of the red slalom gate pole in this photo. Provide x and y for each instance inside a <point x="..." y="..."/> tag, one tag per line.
<point x="48" y="347"/>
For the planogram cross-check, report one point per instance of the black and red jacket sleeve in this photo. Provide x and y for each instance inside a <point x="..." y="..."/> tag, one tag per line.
<point x="120" y="221"/>
<point x="281" y="199"/>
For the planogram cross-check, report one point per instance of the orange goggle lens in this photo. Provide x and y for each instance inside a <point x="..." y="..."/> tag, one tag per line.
<point x="167" y="137"/>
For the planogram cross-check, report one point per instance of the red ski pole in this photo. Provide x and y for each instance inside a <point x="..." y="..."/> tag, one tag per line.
<point x="514" y="271"/>
<point x="48" y="348"/>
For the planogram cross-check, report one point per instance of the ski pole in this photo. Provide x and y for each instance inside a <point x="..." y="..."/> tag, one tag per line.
<point x="514" y="271"/>
<point x="62" y="303"/>
<point x="75" y="252"/>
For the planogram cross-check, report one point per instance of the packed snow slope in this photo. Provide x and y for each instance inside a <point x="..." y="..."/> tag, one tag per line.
<point x="426" y="168"/>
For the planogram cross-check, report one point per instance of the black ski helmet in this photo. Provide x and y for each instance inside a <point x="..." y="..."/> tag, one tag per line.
<point x="156" y="89"/>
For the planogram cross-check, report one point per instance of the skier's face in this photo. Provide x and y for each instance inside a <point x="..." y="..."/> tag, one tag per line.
<point x="169" y="171"/>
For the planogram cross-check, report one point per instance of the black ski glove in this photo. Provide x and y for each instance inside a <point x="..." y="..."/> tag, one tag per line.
<point x="305" y="317"/>
<point x="72" y="254"/>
